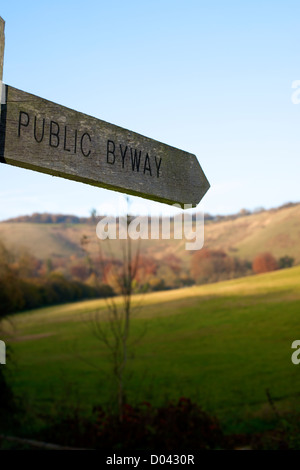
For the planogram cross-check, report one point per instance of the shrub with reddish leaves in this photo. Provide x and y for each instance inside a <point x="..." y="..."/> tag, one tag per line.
<point x="174" y="427"/>
<point x="179" y="426"/>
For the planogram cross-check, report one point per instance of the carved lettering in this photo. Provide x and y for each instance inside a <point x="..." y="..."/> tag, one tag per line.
<point x="42" y="136"/>
<point x="66" y="138"/>
<point x="135" y="160"/>
<point x="35" y="132"/>
<point x="75" y="142"/>
<point x="147" y="166"/>
<point x="84" y="136"/>
<point x="123" y="155"/>
<point x="54" y="135"/>
<point x="23" y="122"/>
<point x="110" y="143"/>
<point x="157" y="166"/>
<point x="65" y="141"/>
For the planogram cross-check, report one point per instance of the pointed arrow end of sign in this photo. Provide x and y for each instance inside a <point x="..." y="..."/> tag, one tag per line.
<point x="199" y="183"/>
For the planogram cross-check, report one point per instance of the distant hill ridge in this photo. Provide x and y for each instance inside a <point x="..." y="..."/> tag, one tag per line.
<point x="48" y="218"/>
<point x="242" y="235"/>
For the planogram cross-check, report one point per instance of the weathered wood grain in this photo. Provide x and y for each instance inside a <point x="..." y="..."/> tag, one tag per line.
<point x="43" y="136"/>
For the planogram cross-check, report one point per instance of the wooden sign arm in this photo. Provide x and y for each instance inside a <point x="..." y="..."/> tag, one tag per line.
<point x="39" y="135"/>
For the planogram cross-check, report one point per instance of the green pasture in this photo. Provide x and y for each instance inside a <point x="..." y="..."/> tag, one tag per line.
<point x="222" y="345"/>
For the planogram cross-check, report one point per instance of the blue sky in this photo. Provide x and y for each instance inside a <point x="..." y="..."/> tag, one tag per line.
<point x="210" y="77"/>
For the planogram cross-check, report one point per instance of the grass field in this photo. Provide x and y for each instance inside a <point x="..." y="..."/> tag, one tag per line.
<point x="222" y="345"/>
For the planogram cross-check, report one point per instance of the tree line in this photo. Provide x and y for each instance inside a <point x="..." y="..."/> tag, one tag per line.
<point x="208" y="265"/>
<point x="27" y="283"/>
<point x="47" y="218"/>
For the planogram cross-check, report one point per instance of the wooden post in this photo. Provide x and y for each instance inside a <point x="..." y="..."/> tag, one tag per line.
<point x="2" y="41"/>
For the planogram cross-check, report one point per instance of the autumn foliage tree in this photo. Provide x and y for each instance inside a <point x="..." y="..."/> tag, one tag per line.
<point x="27" y="282"/>
<point x="209" y="265"/>
<point x="263" y="263"/>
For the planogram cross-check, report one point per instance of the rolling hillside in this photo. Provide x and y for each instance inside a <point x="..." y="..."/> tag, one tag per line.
<point x="276" y="231"/>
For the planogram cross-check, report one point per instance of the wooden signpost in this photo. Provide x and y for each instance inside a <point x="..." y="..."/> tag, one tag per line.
<point x="43" y="136"/>
<point x="1" y="47"/>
